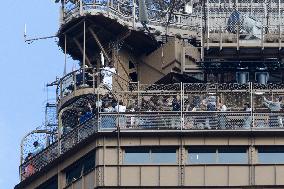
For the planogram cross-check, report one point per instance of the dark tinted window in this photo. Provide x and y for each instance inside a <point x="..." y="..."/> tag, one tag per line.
<point x="202" y="155"/>
<point x="210" y="155"/>
<point x="50" y="184"/>
<point x="149" y="155"/>
<point x="232" y="155"/>
<point x="163" y="155"/>
<point x="271" y="154"/>
<point x="136" y="155"/>
<point x="82" y="166"/>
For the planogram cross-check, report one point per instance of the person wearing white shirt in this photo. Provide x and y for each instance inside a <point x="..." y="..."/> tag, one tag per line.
<point x="120" y="107"/>
<point x="108" y="73"/>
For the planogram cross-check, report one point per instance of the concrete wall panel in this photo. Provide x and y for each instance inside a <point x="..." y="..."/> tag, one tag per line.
<point x="194" y="176"/>
<point x="90" y="180"/>
<point x="169" y="176"/>
<point x="169" y="141"/>
<point x="149" y="176"/>
<point x="130" y="141"/>
<point x="216" y="176"/>
<point x="238" y="175"/>
<point x="150" y="141"/>
<point x="110" y="178"/>
<point x="130" y="176"/>
<point x="111" y="156"/>
<point x="280" y="175"/>
<point x="264" y="175"/>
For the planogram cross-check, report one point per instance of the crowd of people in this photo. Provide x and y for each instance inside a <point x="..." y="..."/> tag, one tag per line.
<point x="214" y="108"/>
<point x="29" y="168"/>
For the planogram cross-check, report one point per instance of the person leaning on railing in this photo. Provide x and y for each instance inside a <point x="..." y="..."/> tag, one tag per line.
<point x="28" y="168"/>
<point x="247" y="118"/>
<point x="274" y="120"/>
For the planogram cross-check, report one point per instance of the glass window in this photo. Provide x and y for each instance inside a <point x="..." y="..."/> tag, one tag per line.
<point x="164" y="155"/>
<point x="210" y="155"/>
<point x="137" y="155"/>
<point x="149" y="155"/>
<point x="50" y="184"/>
<point x="232" y="155"/>
<point x="271" y="155"/>
<point x="82" y="166"/>
<point x="202" y="155"/>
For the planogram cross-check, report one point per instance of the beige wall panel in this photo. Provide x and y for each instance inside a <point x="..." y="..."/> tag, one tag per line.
<point x="280" y="175"/>
<point x="110" y="141"/>
<point x="155" y="58"/>
<point x="110" y="176"/>
<point x="264" y="141"/>
<point x="90" y="180"/>
<point x="150" y="141"/>
<point x="111" y="156"/>
<point x="238" y="175"/>
<point x="129" y="141"/>
<point x="154" y="75"/>
<point x="169" y="141"/>
<point x="149" y="176"/>
<point x="264" y="175"/>
<point x="169" y="176"/>
<point x="216" y="175"/>
<point x="77" y="184"/>
<point x="194" y="176"/>
<point x="216" y="141"/>
<point x="279" y="140"/>
<point x="194" y="141"/>
<point x="100" y="156"/>
<point x="69" y="187"/>
<point x="130" y="176"/>
<point x="238" y="141"/>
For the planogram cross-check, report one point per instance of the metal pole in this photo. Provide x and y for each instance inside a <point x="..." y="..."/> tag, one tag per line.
<point x="181" y="105"/>
<point x="84" y="52"/>
<point x="251" y="102"/>
<point x="279" y="18"/>
<point x="65" y="55"/>
<point x="81" y="8"/>
<point x="133" y="13"/>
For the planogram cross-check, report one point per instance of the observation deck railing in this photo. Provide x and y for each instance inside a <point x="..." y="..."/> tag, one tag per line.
<point x="211" y="19"/>
<point x="178" y="107"/>
<point x="178" y="121"/>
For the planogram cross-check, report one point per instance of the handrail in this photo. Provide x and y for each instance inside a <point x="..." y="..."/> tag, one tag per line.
<point x="176" y="120"/>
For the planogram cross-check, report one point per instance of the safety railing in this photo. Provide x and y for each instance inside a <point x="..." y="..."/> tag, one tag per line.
<point x="170" y="121"/>
<point x="202" y="120"/>
<point x="36" y="162"/>
<point x="265" y="21"/>
<point x="125" y="11"/>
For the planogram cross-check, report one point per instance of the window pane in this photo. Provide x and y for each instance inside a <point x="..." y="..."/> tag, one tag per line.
<point x="232" y="155"/>
<point x="50" y="184"/>
<point x="73" y="173"/>
<point x="202" y="155"/>
<point x="271" y="154"/>
<point x="164" y="155"/>
<point x="89" y="163"/>
<point x="137" y="155"/>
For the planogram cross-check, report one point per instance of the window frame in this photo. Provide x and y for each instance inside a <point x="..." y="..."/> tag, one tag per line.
<point x="150" y="153"/>
<point x="268" y="148"/>
<point x="81" y="163"/>
<point x="217" y="153"/>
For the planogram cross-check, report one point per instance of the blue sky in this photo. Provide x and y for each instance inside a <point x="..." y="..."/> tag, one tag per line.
<point x="25" y="69"/>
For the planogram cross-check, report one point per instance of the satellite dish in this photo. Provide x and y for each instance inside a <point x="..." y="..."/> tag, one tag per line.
<point x="143" y="16"/>
<point x="247" y="25"/>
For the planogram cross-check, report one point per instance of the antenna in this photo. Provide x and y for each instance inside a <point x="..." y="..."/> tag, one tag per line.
<point x="30" y="40"/>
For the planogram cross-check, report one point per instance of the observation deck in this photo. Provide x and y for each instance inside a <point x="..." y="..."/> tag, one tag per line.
<point x="184" y="108"/>
<point x="206" y="25"/>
